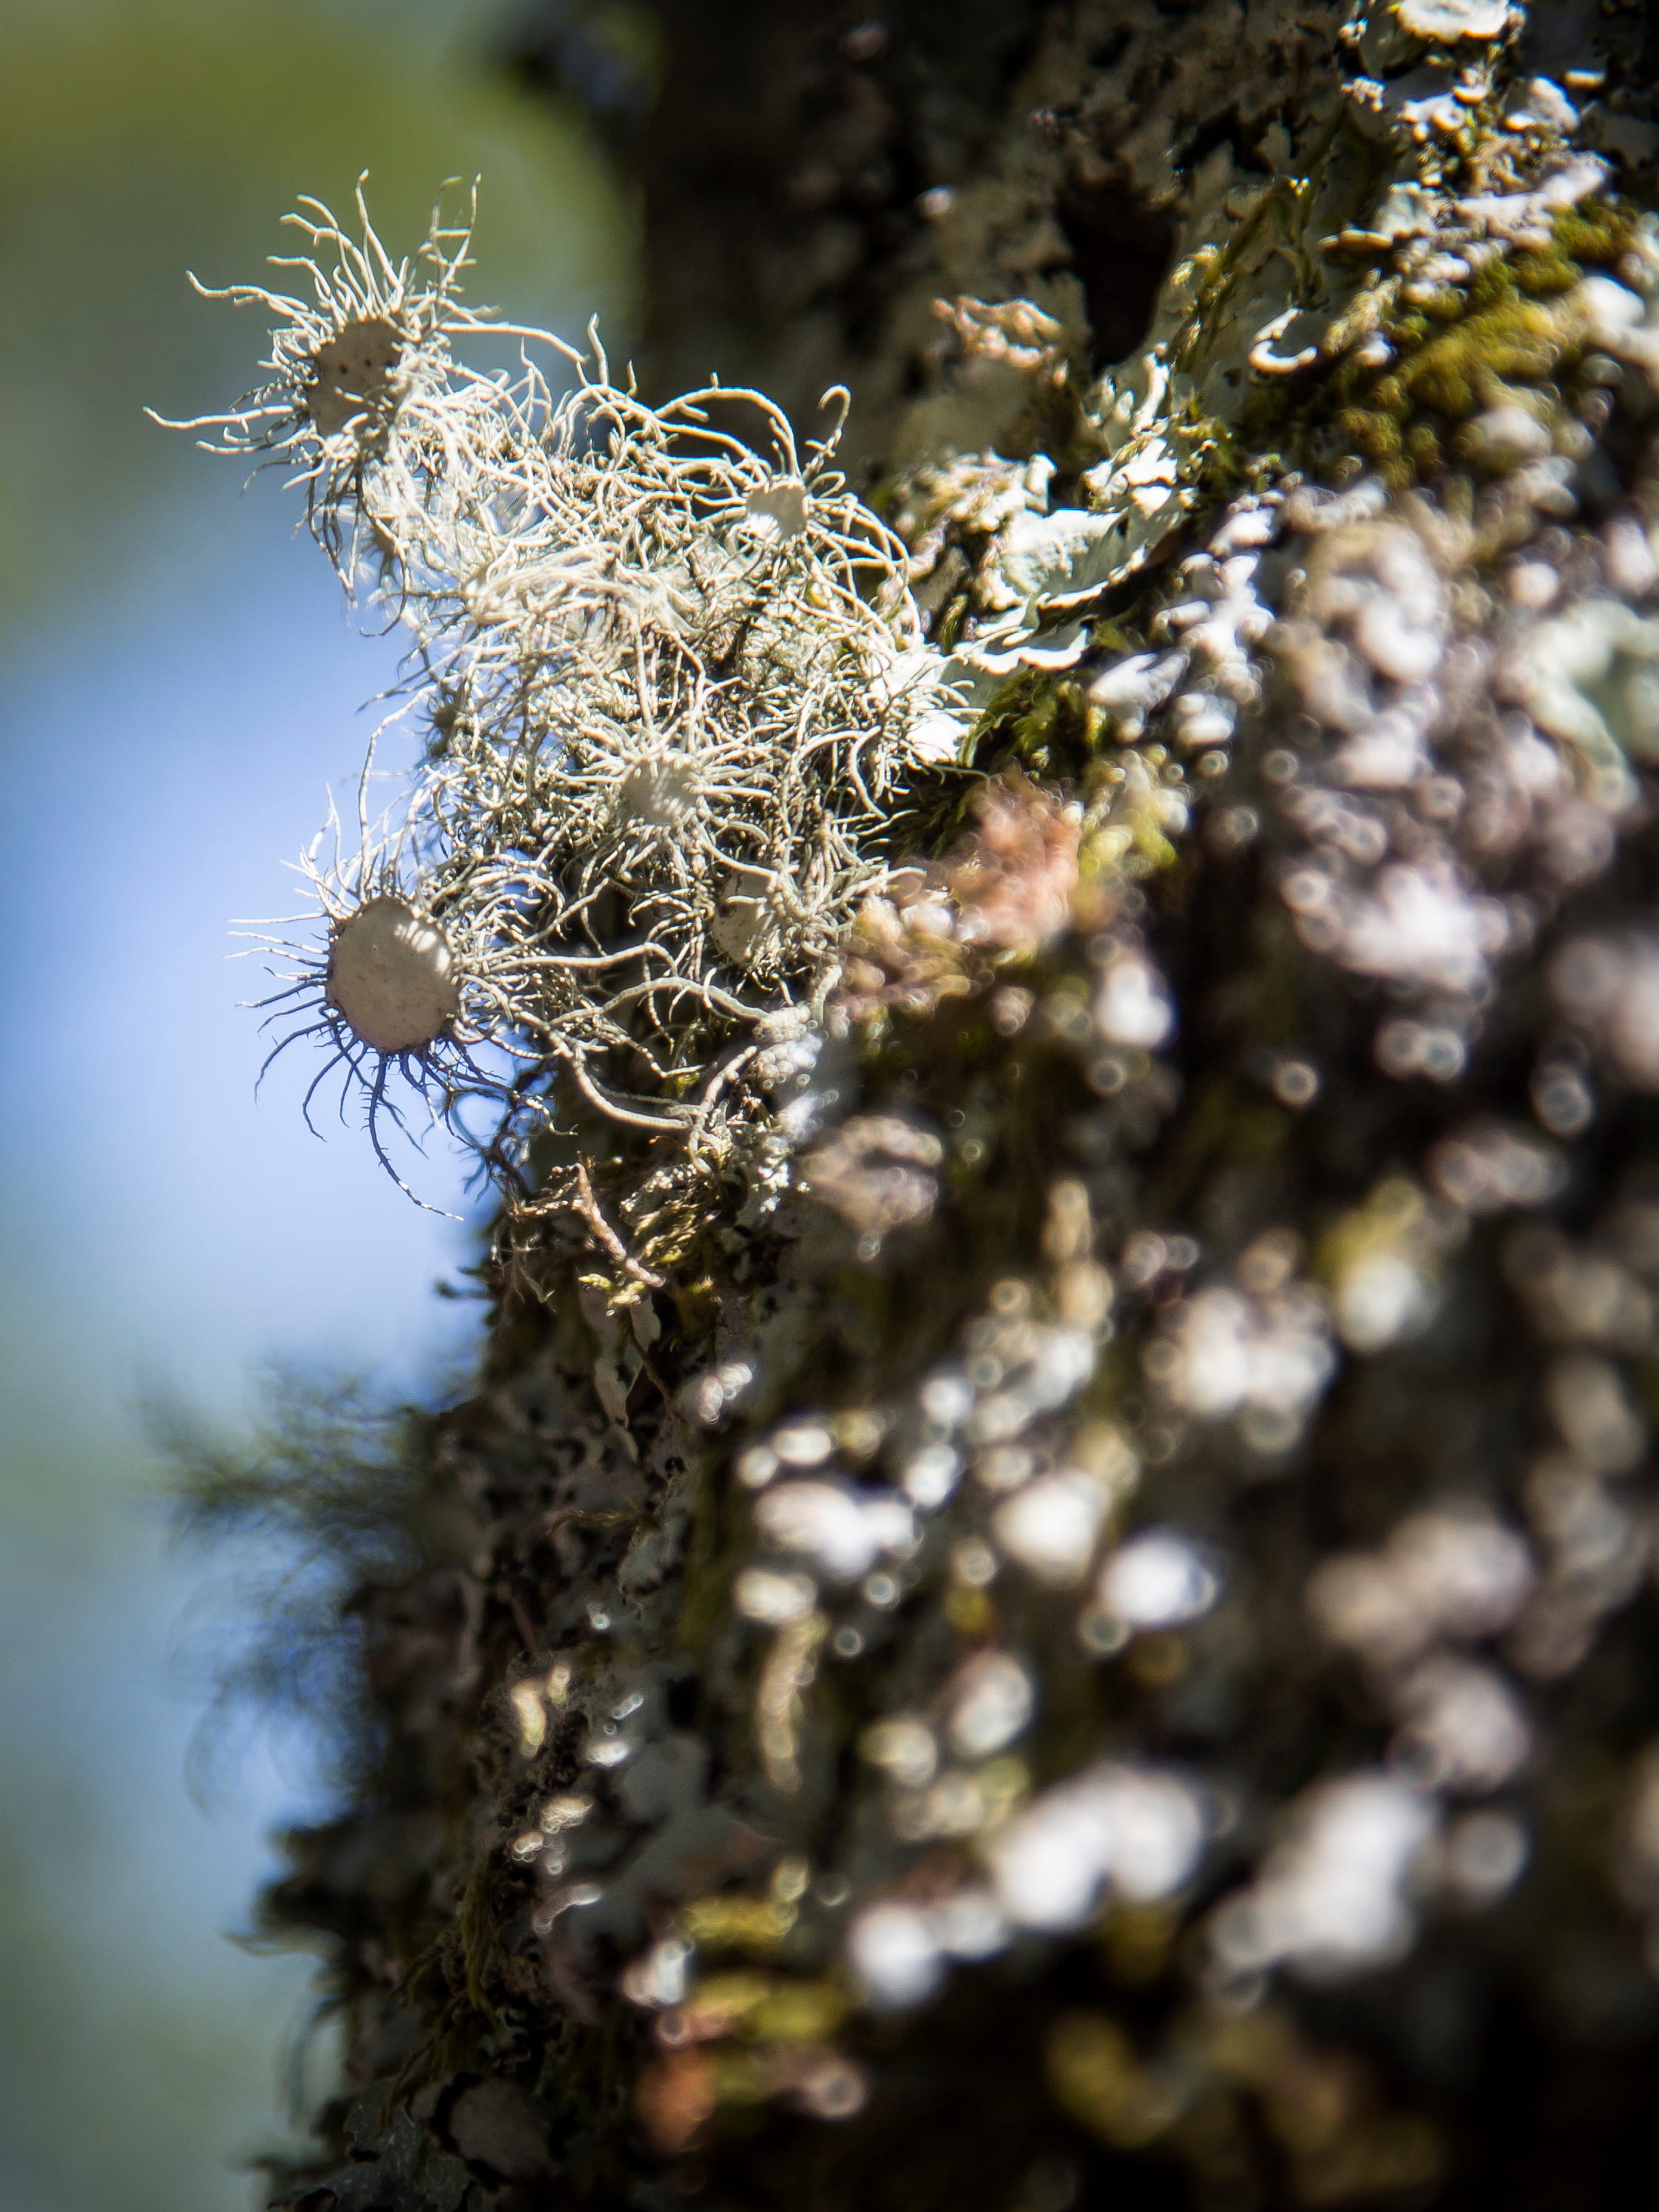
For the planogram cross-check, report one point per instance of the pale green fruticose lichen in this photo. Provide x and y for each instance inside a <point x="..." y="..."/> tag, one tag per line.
<point x="667" y="671"/>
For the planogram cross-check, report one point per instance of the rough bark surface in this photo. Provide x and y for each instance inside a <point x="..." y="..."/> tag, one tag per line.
<point x="1077" y="1626"/>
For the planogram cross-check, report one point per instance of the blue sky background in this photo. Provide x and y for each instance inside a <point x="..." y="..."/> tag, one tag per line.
<point x="179" y="685"/>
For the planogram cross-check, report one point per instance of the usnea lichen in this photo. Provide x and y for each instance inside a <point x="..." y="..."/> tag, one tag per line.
<point x="665" y="666"/>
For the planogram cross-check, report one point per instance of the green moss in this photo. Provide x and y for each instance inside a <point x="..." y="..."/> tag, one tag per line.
<point x="936" y="809"/>
<point x="1040" y="721"/>
<point x="1459" y="351"/>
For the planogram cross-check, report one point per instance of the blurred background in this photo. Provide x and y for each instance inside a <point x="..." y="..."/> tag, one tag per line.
<point x="180" y="686"/>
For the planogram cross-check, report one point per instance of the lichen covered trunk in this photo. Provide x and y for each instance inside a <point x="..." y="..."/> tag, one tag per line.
<point x="1044" y="1594"/>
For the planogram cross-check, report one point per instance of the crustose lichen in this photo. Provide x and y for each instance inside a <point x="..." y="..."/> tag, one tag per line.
<point x="665" y="665"/>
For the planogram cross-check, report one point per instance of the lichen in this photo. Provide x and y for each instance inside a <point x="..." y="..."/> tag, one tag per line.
<point x="664" y="669"/>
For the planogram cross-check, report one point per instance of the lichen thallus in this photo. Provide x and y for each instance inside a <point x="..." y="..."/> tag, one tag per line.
<point x="666" y="666"/>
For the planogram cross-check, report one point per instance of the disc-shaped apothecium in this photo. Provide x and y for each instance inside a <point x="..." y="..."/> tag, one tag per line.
<point x="391" y="976"/>
<point x="353" y="371"/>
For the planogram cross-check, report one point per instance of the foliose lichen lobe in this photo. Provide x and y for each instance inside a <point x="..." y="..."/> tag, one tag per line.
<point x="1055" y="1593"/>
